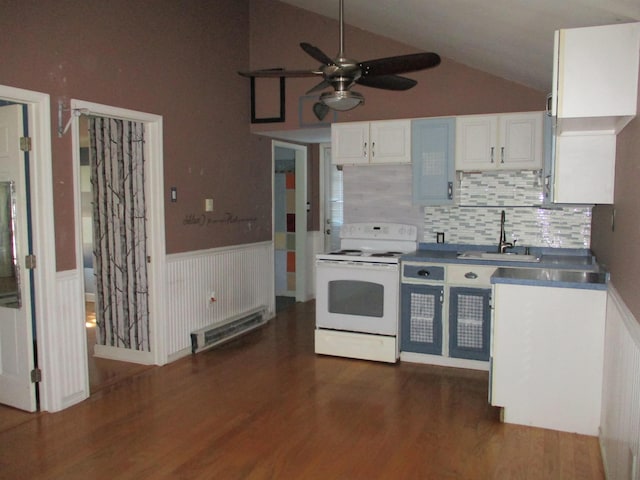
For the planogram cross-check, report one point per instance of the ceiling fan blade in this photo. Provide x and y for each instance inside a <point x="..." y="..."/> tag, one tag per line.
<point x="316" y="53"/>
<point x="399" y="64"/>
<point x="279" y="72"/>
<point x="387" y="82"/>
<point x="321" y="86"/>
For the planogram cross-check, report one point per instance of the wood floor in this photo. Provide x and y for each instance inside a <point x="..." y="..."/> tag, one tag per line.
<point x="267" y="407"/>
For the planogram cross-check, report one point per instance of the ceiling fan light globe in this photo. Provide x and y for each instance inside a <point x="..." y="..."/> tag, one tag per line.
<point x="342" y="100"/>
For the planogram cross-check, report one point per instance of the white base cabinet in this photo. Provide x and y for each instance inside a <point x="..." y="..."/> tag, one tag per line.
<point x="547" y="356"/>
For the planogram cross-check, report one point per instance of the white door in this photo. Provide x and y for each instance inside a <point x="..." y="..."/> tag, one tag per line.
<point x="16" y="334"/>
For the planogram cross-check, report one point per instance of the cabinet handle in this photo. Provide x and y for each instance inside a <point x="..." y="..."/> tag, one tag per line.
<point x="501" y="154"/>
<point x="424" y="273"/>
<point x="471" y="275"/>
<point x="492" y="149"/>
<point x="364" y="150"/>
<point x="450" y="190"/>
<point x="373" y="149"/>
<point x="547" y="186"/>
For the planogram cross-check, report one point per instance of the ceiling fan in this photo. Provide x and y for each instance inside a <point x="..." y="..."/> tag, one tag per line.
<point x="342" y="73"/>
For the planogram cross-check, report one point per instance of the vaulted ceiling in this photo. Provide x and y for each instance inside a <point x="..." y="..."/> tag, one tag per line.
<point x="509" y="38"/>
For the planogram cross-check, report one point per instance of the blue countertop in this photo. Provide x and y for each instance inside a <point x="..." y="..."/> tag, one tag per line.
<point x="559" y="258"/>
<point x="557" y="267"/>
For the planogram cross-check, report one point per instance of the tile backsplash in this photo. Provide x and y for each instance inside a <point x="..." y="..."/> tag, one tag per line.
<point x="531" y="227"/>
<point x="383" y="193"/>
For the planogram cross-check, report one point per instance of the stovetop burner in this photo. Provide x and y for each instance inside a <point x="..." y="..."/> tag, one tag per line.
<point x="372" y="243"/>
<point x="386" y="254"/>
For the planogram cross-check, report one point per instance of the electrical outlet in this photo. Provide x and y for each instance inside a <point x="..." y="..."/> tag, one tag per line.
<point x="208" y="205"/>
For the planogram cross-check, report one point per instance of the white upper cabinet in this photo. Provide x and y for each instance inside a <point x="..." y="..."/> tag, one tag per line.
<point x="584" y="168"/>
<point x="595" y="77"/>
<point x="380" y="142"/>
<point x="511" y="141"/>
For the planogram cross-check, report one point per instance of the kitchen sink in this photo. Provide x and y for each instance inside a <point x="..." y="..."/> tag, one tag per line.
<point x="503" y="257"/>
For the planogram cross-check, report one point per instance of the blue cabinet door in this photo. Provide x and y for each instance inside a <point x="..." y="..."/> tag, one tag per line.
<point x="421" y="319"/>
<point x="432" y="157"/>
<point x="469" y="323"/>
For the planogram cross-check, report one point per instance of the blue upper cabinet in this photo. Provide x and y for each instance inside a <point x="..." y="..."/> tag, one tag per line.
<point x="433" y="160"/>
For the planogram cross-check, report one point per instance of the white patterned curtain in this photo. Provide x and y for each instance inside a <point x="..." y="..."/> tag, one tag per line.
<point x="119" y="233"/>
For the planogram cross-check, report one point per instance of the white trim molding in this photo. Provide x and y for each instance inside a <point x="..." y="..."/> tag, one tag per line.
<point x="156" y="229"/>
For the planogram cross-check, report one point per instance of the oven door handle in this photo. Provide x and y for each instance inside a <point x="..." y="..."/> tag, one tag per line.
<point x="356" y="265"/>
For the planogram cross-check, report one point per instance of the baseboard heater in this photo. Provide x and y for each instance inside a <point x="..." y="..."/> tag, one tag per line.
<point x="212" y="335"/>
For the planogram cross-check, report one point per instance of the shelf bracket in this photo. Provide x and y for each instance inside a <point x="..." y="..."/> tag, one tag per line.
<point x="75" y="112"/>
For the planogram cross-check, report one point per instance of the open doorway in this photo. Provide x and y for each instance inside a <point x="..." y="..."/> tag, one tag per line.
<point x="102" y="371"/>
<point x="289" y="222"/>
<point x="108" y="355"/>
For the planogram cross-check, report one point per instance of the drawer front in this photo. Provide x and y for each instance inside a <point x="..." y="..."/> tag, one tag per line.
<point x="429" y="273"/>
<point x="478" y="275"/>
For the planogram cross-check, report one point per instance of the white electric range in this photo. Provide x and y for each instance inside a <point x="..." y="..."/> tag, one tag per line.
<point x="358" y="291"/>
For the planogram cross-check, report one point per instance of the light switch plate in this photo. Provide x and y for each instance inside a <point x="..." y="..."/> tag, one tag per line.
<point x="208" y="205"/>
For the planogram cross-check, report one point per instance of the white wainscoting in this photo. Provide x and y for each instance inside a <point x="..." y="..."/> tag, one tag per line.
<point x="240" y="277"/>
<point x="68" y="376"/>
<point x="620" y="419"/>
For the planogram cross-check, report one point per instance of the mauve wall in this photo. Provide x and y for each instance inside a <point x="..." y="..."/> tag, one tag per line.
<point x="171" y="58"/>
<point x="619" y="250"/>
<point x="179" y="60"/>
<point x="449" y="89"/>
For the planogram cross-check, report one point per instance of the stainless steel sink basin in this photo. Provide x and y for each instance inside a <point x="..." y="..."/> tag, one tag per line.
<point x="502" y="257"/>
<point x="553" y="275"/>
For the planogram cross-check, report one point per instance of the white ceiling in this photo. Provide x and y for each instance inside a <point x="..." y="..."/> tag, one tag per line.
<point x="509" y="38"/>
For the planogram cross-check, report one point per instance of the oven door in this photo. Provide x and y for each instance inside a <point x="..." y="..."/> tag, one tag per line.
<point x="357" y="296"/>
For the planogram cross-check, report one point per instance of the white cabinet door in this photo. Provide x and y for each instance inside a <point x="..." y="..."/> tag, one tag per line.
<point x="371" y="142"/>
<point x="520" y="143"/>
<point x="390" y="141"/>
<point x="596" y="77"/>
<point x="350" y="143"/>
<point x="476" y="137"/>
<point x="584" y="169"/>
<point x="505" y="142"/>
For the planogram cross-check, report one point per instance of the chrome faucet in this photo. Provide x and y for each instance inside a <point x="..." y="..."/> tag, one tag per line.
<point x="503" y="244"/>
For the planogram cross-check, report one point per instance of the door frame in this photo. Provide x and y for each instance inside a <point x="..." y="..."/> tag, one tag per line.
<point x="301" y="154"/>
<point x="325" y="163"/>
<point x="43" y="234"/>
<point x="156" y="248"/>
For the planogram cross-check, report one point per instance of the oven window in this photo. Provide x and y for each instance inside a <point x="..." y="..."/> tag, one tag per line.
<point x="355" y="297"/>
